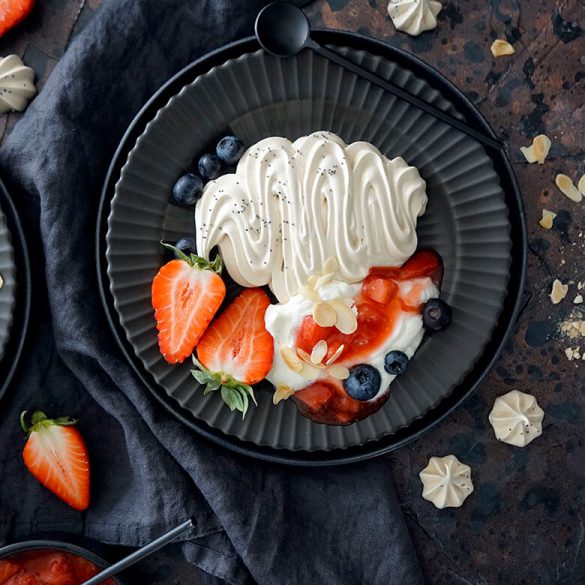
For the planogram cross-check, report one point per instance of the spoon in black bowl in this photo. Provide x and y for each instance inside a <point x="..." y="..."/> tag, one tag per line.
<point x="140" y="554"/>
<point x="284" y="30"/>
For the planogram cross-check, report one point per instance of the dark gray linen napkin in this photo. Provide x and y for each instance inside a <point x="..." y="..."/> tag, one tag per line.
<point x="255" y="522"/>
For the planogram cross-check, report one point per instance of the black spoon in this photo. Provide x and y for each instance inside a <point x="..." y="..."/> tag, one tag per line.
<point x="284" y="30"/>
<point x="140" y="554"/>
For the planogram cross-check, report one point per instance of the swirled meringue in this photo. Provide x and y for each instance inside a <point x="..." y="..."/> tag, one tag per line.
<point x="16" y="84"/>
<point x="446" y="482"/>
<point x="516" y="418"/>
<point x="291" y="206"/>
<point x="414" y="16"/>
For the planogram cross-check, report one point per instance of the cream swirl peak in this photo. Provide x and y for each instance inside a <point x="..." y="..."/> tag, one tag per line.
<point x="292" y="205"/>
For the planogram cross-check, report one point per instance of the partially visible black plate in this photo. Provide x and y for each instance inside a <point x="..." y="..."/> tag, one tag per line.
<point x="20" y="303"/>
<point x="509" y="239"/>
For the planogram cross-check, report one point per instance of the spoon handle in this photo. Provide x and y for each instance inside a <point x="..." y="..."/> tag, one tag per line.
<point x="140" y="554"/>
<point x="403" y="94"/>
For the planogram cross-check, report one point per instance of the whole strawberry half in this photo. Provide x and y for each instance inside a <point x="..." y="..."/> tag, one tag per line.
<point x="12" y="12"/>
<point x="55" y="453"/>
<point x="236" y="351"/>
<point x="186" y="294"/>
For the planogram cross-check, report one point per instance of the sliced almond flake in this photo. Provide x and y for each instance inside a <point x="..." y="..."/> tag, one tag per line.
<point x="500" y="48"/>
<point x="578" y="299"/>
<point x="319" y="352"/>
<point x="310" y="372"/>
<point x="325" y="279"/>
<point x="567" y="188"/>
<point x="580" y="285"/>
<point x="282" y="392"/>
<point x="581" y="185"/>
<point x="307" y="359"/>
<point x="1" y="281"/>
<point x="336" y="355"/>
<point x="309" y="293"/>
<point x="312" y="280"/>
<point x="547" y="219"/>
<point x="331" y="265"/>
<point x="338" y="371"/>
<point x="346" y="321"/>
<point x="538" y="150"/>
<point x="291" y="359"/>
<point x="582" y="328"/>
<point x="324" y="314"/>
<point x="559" y="291"/>
<point x="569" y="353"/>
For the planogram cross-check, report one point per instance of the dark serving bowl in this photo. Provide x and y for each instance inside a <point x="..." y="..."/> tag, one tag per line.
<point x="60" y="546"/>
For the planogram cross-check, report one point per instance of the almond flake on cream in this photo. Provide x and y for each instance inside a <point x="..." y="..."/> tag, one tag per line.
<point x="501" y="48"/>
<point x="581" y="185"/>
<point x="538" y="150"/>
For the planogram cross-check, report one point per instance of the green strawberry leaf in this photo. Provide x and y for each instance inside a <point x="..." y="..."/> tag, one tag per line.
<point x="193" y="260"/>
<point x="235" y="394"/>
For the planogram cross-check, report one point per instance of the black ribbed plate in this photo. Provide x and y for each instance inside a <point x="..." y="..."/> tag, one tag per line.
<point x="8" y="290"/>
<point x="15" y="295"/>
<point x="474" y="219"/>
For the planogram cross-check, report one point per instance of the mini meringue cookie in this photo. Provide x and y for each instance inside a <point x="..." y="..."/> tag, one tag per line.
<point x="446" y="482"/>
<point x="16" y="84"/>
<point x="516" y="418"/>
<point x="414" y="16"/>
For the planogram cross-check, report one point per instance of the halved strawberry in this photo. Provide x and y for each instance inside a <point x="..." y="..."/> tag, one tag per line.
<point x="12" y="12"/>
<point x="186" y="294"/>
<point x="56" y="455"/>
<point x="236" y="350"/>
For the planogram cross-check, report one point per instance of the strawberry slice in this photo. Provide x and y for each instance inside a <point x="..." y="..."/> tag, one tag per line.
<point x="186" y="294"/>
<point x="56" y="455"/>
<point x="236" y="350"/>
<point x="12" y="12"/>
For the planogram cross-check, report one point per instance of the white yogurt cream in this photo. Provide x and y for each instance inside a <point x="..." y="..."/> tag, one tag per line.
<point x="283" y="322"/>
<point x="291" y="206"/>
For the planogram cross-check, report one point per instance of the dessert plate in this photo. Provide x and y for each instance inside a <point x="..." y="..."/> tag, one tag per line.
<point x="474" y="220"/>
<point x="15" y="294"/>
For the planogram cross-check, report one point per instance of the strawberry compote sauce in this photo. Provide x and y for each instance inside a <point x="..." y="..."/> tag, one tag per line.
<point x="379" y="304"/>
<point x="47" y="567"/>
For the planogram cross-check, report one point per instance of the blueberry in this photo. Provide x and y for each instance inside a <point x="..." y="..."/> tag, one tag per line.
<point x="436" y="315"/>
<point x="396" y="362"/>
<point x="363" y="382"/>
<point x="186" y="245"/>
<point x="188" y="189"/>
<point x="230" y="149"/>
<point x="209" y="166"/>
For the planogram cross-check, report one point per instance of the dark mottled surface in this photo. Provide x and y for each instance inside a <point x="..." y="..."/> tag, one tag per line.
<point x="524" y="524"/>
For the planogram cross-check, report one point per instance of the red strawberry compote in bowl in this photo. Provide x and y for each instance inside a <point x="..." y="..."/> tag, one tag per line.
<point x="47" y="567"/>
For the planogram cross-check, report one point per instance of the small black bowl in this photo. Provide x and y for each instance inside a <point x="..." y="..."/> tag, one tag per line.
<point x="57" y="545"/>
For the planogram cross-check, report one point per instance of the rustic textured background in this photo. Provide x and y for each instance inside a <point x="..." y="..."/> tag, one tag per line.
<point x="525" y="522"/>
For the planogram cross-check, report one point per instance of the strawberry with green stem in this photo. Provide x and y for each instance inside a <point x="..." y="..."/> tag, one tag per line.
<point x="186" y="294"/>
<point x="236" y="351"/>
<point x="56" y="455"/>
